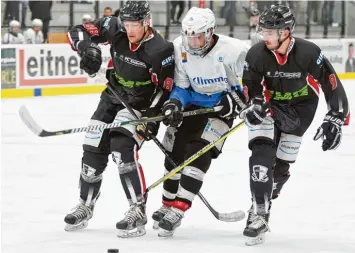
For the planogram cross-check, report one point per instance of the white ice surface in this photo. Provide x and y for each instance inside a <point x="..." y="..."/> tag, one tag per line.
<point x="39" y="185"/>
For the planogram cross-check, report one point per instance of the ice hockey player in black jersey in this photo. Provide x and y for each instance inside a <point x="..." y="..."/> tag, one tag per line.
<point x="288" y="72"/>
<point x="143" y="68"/>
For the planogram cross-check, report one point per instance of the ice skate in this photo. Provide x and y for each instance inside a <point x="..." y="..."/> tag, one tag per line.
<point x="159" y="214"/>
<point x="170" y="222"/>
<point x="255" y="231"/>
<point x="133" y="224"/>
<point x="251" y="216"/>
<point x="79" y="218"/>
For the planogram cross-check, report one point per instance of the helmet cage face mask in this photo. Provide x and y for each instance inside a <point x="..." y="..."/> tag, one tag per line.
<point x="192" y="41"/>
<point x="197" y="27"/>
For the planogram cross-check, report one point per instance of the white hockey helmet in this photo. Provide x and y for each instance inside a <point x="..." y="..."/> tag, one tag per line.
<point x="86" y="18"/>
<point x="37" y="22"/>
<point x="14" y="23"/>
<point x="197" y="22"/>
<point x="14" y="26"/>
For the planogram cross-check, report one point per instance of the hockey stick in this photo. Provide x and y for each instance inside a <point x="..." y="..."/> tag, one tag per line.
<point x="226" y="217"/>
<point x="200" y="152"/>
<point x="195" y="156"/>
<point x="38" y="130"/>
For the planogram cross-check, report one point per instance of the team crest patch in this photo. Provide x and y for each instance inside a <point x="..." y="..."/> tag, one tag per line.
<point x="183" y="57"/>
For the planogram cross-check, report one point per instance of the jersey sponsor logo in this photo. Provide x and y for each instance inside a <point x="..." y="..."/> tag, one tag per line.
<point x="207" y="81"/>
<point x="220" y="59"/>
<point x="168" y="60"/>
<point x="333" y="81"/>
<point x="132" y="61"/>
<point x="290" y="147"/>
<point x="320" y="58"/>
<point x="288" y="75"/>
<point x="210" y="128"/>
<point x="277" y="95"/>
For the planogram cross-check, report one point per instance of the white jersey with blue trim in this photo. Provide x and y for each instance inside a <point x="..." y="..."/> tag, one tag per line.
<point x="207" y="74"/>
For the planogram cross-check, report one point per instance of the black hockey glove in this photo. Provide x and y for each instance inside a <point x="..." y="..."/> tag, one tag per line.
<point x="172" y="111"/>
<point x="254" y="114"/>
<point x="151" y="128"/>
<point x="91" y="59"/>
<point x="330" y="130"/>
<point x="233" y="103"/>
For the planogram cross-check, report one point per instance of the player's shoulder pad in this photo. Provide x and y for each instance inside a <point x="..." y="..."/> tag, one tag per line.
<point x="307" y="48"/>
<point x="111" y="24"/>
<point x="178" y="42"/>
<point x="256" y="51"/>
<point x="231" y="49"/>
<point x="232" y="43"/>
<point x="160" y="49"/>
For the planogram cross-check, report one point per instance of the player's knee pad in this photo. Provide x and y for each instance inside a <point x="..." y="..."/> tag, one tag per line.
<point x="214" y="129"/>
<point x="203" y="162"/>
<point x="262" y="132"/>
<point x="129" y="130"/>
<point x="97" y="140"/>
<point x="289" y="146"/>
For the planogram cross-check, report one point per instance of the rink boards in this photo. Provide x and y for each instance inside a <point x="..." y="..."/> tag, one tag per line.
<point x="54" y="69"/>
<point x="86" y="89"/>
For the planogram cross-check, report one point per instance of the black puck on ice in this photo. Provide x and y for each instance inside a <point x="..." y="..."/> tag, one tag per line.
<point x="112" y="251"/>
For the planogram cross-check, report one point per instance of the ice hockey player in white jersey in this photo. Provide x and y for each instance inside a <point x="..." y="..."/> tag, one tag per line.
<point x="13" y="36"/>
<point x="34" y="35"/>
<point x="204" y="62"/>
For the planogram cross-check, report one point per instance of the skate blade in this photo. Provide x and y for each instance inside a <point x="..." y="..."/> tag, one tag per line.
<point x="135" y="232"/>
<point x="251" y="241"/>
<point x="156" y="225"/>
<point x="79" y="226"/>
<point x="163" y="233"/>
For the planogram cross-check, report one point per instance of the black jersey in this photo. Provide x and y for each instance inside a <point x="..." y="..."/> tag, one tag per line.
<point x="138" y="72"/>
<point x="294" y="79"/>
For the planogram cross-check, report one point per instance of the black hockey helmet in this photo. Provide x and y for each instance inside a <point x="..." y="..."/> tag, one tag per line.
<point x="135" y="11"/>
<point x="277" y="16"/>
